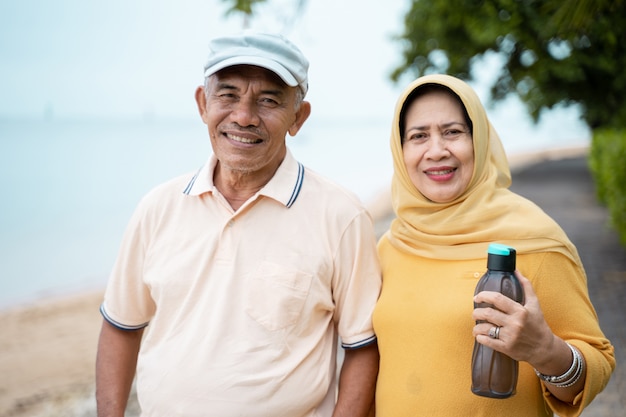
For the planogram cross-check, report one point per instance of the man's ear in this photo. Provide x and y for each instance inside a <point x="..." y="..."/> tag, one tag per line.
<point x="302" y="114"/>
<point x="201" y="101"/>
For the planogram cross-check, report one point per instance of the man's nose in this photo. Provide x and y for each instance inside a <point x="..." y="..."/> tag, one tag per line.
<point x="245" y="113"/>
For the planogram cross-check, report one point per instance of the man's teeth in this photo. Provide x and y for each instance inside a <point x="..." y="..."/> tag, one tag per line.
<point x="242" y="139"/>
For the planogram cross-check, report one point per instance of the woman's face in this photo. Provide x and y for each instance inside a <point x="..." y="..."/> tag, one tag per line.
<point x="437" y="146"/>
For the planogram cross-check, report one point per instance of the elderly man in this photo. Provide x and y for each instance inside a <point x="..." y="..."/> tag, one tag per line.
<point x="234" y="285"/>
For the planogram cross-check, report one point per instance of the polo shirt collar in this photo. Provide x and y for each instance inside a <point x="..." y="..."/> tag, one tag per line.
<point x="284" y="186"/>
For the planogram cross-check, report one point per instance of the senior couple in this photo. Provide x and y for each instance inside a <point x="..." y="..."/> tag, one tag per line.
<point x="235" y="284"/>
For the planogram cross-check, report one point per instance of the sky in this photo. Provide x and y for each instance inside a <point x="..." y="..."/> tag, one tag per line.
<point x="143" y="59"/>
<point x="138" y="58"/>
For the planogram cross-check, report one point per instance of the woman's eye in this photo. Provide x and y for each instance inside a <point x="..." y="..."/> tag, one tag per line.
<point x="452" y="133"/>
<point x="417" y="136"/>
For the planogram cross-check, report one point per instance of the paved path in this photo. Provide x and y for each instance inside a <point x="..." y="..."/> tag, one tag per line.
<point x="565" y="190"/>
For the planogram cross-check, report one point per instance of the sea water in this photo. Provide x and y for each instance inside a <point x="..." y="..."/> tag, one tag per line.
<point x="68" y="188"/>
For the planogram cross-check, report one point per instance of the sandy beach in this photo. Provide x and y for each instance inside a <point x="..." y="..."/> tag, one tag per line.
<point x="47" y="348"/>
<point x="47" y="355"/>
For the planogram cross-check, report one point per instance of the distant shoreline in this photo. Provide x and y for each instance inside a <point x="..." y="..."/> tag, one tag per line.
<point x="379" y="207"/>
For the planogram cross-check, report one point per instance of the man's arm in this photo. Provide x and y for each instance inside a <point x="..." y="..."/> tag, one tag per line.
<point x="115" y="368"/>
<point x="357" y="382"/>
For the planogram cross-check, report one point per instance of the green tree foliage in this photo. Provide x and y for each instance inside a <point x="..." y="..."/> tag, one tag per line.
<point x="554" y="51"/>
<point x="245" y="7"/>
<point x="606" y="161"/>
<point x="286" y="11"/>
<point x="242" y="6"/>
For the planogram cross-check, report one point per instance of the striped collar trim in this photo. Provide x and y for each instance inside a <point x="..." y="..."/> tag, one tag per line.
<point x="284" y="187"/>
<point x="297" y="187"/>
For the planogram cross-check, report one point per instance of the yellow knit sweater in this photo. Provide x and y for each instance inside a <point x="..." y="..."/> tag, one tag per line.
<point x="423" y="321"/>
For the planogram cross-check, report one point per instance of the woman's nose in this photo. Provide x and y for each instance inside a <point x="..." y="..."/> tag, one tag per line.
<point x="437" y="147"/>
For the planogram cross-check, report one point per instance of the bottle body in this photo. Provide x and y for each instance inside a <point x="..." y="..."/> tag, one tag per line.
<point x="494" y="374"/>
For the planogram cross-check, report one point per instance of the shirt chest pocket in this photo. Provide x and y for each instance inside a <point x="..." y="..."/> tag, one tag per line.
<point x="276" y="294"/>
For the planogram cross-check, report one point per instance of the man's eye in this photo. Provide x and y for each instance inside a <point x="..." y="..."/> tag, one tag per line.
<point x="269" y="101"/>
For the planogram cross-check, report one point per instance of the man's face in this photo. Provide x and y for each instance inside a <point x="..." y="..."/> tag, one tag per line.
<point x="248" y="111"/>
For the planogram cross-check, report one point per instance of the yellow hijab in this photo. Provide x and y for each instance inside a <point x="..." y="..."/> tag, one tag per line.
<point x="486" y="212"/>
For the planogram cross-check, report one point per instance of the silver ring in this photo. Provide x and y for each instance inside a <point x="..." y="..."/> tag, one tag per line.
<point x="494" y="332"/>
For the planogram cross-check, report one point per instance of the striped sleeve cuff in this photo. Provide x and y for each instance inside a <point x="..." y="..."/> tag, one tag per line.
<point x="359" y="344"/>
<point x="117" y="324"/>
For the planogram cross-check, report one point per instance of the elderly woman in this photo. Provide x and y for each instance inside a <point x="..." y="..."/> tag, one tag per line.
<point x="451" y="200"/>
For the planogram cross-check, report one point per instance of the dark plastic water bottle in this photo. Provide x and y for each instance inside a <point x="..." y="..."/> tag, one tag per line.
<point x="494" y="374"/>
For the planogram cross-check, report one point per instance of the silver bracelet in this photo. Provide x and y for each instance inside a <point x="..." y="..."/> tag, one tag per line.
<point x="571" y="376"/>
<point x="579" y="371"/>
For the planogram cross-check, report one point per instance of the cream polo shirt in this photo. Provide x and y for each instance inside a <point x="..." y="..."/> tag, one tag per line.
<point x="244" y="308"/>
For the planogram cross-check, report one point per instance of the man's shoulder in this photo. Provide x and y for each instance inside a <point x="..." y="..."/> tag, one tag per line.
<point x="171" y="189"/>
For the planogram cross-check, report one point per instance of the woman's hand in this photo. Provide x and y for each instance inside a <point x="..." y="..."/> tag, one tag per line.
<point x="524" y="334"/>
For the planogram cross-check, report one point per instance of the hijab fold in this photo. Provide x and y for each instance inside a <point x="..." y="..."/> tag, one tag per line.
<point x="485" y="213"/>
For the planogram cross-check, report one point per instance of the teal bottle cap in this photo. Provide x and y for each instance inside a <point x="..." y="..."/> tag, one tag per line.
<point x="501" y="257"/>
<point x="499" y="249"/>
